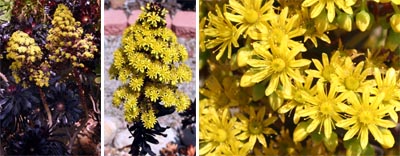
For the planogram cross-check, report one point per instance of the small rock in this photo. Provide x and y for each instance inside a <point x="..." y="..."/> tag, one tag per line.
<point x="117" y="4"/>
<point x="188" y="136"/>
<point x="122" y="139"/>
<point x="110" y="129"/>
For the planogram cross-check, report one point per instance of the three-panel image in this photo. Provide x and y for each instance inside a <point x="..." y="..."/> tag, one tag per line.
<point x="199" y="77"/>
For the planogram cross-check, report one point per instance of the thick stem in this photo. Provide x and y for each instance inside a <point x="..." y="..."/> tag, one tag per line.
<point x="46" y="107"/>
<point x="81" y="92"/>
<point x="78" y="130"/>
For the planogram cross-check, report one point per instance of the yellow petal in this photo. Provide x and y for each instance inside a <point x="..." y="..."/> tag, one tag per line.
<point x="300" y="132"/>
<point x="375" y="132"/>
<point x="316" y="10"/>
<point x="388" y="140"/>
<point x="308" y="3"/>
<point x="245" y="81"/>
<point x="273" y="84"/>
<point x="300" y="63"/>
<point x="327" y="128"/>
<point x="314" y="124"/>
<point x="330" y="6"/>
<point x="351" y="132"/>
<point x="364" y="137"/>
<point x="262" y="140"/>
<point x="205" y="149"/>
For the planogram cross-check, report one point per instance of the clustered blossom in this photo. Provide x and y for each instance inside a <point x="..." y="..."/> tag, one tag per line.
<point x="66" y="40"/>
<point x="281" y="67"/>
<point x="27" y="60"/>
<point x="150" y="65"/>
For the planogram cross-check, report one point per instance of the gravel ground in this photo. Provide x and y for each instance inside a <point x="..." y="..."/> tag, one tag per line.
<point x="173" y="120"/>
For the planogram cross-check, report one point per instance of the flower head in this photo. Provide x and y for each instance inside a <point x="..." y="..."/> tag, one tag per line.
<point x="318" y="6"/>
<point x="249" y="14"/>
<point x="217" y="131"/>
<point x="367" y="115"/>
<point x="323" y="109"/>
<point x="223" y="32"/>
<point x="277" y="64"/>
<point x="254" y="125"/>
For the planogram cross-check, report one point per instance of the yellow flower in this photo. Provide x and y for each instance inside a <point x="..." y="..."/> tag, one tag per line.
<point x="323" y="109"/>
<point x="149" y="119"/>
<point x="314" y="27"/>
<point x="250" y="14"/>
<point x="218" y="133"/>
<point x="222" y="31"/>
<point x="236" y="148"/>
<point x="349" y="79"/>
<point x="224" y="94"/>
<point x="297" y="97"/>
<point x="202" y="35"/>
<point x="280" y="29"/>
<point x="366" y="115"/>
<point x="387" y="86"/>
<point x="254" y="125"/>
<point x="325" y="70"/>
<point x="278" y="65"/>
<point x="318" y="6"/>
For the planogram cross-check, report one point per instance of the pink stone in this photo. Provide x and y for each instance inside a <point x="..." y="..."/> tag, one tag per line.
<point x="184" y="24"/>
<point x="115" y="22"/>
<point x="135" y="15"/>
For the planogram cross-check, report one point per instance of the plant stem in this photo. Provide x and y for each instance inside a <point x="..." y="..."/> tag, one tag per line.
<point x="81" y="91"/>
<point x="72" y="140"/>
<point x="46" y="107"/>
<point x="4" y="77"/>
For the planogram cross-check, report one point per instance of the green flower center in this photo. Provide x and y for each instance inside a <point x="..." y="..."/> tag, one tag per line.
<point x="221" y="135"/>
<point x="326" y="108"/>
<point x="351" y="83"/>
<point x="298" y="97"/>
<point x="255" y="127"/>
<point x="226" y="34"/>
<point x="251" y="16"/>
<point x="326" y="72"/>
<point x="366" y="117"/>
<point x="278" y="65"/>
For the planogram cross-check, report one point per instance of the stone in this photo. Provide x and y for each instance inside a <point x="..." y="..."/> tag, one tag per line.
<point x="110" y="129"/>
<point x="184" y="24"/>
<point x="188" y="136"/>
<point x="123" y="139"/>
<point x="135" y="15"/>
<point x="117" y="4"/>
<point x="115" y="22"/>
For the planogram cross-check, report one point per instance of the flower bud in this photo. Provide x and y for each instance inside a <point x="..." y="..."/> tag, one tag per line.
<point x="363" y="20"/>
<point x="395" y="22"/>
<point x="344" y="21"/>
<point x="243" y="55"/>
<point x="321" y="22"/>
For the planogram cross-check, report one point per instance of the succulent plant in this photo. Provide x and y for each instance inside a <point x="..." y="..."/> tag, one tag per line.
<point x="149" y="64"/>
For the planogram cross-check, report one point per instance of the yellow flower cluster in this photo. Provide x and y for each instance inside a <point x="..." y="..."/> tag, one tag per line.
<point x="27" y="56"/>
<point x="280" y="81"/>
<point x="65" y="40"/>
<point x="153" y="16"/>
<point x="150" y="65"/>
